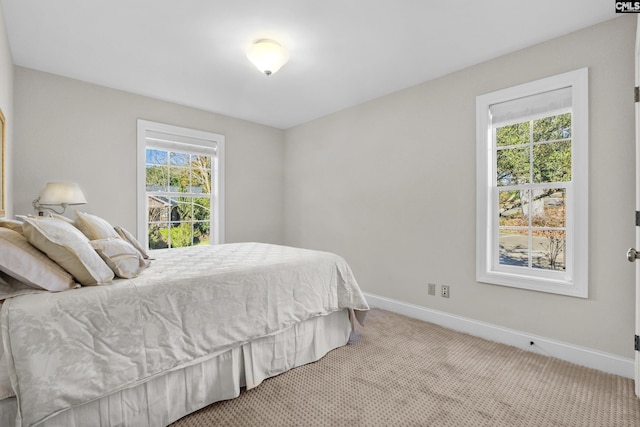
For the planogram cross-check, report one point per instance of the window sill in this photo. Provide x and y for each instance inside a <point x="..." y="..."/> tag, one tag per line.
<point x="547" y="285"/>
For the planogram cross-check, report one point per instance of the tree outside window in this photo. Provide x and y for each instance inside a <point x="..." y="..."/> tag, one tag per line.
<point x="179" y="198"/>
<point x="532" y="218"/>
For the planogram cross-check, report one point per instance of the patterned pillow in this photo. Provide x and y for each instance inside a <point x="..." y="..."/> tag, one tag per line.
<point x="125" y="235"/>
<point x="94" y="227"/>
<point x="120" y="256"/>
<point x="60" y="217"/>
<point x="67" y="246"/>
<point x="11" y="287"/>
<point x="11" y="224"/>
<point x="27" y="264"/>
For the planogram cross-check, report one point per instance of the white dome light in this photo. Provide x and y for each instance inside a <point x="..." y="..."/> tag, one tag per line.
<point x="268" y="56"/>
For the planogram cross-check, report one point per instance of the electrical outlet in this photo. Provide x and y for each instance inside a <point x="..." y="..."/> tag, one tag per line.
<point x="432" y="289"/>
<point x="445" y="291"/>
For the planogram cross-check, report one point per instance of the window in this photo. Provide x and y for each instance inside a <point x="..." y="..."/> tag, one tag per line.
<point x="180" y="186"/>
<point x="532" y="185"/>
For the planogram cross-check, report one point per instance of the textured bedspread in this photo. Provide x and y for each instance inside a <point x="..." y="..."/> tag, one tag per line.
<point x="64" y="349"/>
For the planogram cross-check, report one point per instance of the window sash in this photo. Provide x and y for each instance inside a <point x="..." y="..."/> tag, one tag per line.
<point x="494" y="242"/>
<point x="171" y="167"/>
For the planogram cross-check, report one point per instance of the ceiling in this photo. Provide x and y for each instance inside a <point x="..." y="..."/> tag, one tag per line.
<point x="342" y="52"/>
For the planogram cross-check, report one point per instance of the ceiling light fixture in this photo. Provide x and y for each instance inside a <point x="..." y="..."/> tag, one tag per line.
<point x="268" y="56"/>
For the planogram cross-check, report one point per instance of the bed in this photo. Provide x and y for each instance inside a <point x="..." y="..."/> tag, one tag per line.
<point x="192" y="328"/>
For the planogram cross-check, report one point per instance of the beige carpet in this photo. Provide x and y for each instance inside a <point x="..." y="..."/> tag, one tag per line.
<point x="404" y="372"/>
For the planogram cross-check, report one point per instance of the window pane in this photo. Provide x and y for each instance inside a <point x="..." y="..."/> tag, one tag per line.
<point x="181" y="209"/>
<point x="158" y="236"/>
<point x="179" y="179"/>
<point x="513" y="166"/>
<point x="201" y="174"/>
<point x="157" y="178"/>
<point x="515" y="134"/>
<point x="552" y="128"/>
<point x="158" y="209"/>
<point x="181" y="234"/>
<point x="179" y="159"/>
<point x="549" y="208"/>
<point x="513" y="208"/>
<point x="549" y="250"/>
<point x="156" y="157"/>
<point x="201" y="233"/>
<point x="201" y="209"/>
<point x="552" y="162"/>
<point x="514" y="247"/>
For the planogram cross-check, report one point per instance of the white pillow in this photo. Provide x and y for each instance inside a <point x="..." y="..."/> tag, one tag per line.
<point x="11" y="287"/>
<point x="27" y="264"/>
<point x="125" y="235"/>
<point x="67" y="246"/>
<point x="60" y="217"/>
<point x="11" y="224"/>
<point x="120" y="256"/>
<point x="94" y="227"/>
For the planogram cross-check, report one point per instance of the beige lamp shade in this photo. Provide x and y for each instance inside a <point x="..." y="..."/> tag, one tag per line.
<point x="268" y="56"/>
<point x="61" y="194"/>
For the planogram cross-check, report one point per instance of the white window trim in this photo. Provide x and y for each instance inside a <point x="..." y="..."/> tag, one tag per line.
<point x="193" y="137"/>
<point x="575" y="281"/>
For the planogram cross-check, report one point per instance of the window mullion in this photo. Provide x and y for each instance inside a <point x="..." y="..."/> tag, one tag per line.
<point x="530" y="197"/>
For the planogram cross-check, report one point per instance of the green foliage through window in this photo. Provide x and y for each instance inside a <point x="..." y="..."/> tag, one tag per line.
<point x="532" y="220"/>
<point x="179" y="198"/>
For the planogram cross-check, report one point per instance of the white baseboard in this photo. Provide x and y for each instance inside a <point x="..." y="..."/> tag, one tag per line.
<point x="583" y="356"/>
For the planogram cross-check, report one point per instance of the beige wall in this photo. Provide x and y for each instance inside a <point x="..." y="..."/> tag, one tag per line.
<point x="71" y="130"/>
<point x="6" y="105"/>
<point x="390" y="185"/>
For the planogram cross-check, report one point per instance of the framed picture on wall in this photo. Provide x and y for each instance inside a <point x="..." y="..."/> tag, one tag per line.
<point x="3" y="196"/>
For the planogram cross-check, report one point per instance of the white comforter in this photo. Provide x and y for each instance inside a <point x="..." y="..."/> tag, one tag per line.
<point x="65" y="349"/>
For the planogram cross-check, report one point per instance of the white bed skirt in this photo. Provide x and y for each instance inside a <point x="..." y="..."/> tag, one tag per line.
<point x="167" y="398"/>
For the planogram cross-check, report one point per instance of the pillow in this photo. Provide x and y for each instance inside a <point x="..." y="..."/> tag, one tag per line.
<point x="21" y="218"/>
<point x="60" y="217"/>
<point x="67" y="246"/>
<point x="27" y="264"/>
<point x="11" y="224"/>
<point x="120" y="256"/>
<point x="125" y="235"/>
<point x="11" y="287"/>
<point x="94" y="227"/>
